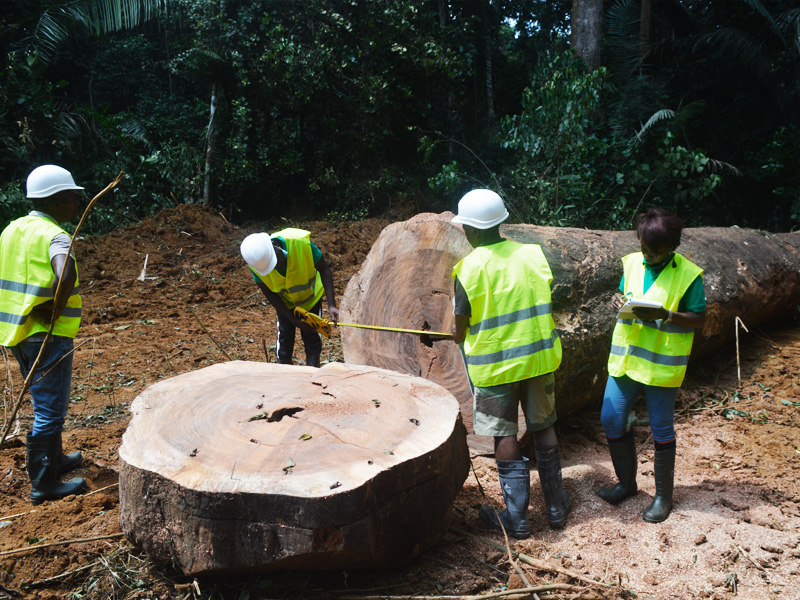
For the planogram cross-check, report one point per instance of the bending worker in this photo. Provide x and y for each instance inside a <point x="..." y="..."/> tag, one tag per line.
<point x="33" y="259"/>
<point x="290" y="271"/>
<point x="503" y="317"/>
<point x="649" y="354"/>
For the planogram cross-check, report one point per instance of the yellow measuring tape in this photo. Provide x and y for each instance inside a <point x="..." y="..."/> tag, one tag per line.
<point x="417" y="331"/>
<point x="323" y="326"/>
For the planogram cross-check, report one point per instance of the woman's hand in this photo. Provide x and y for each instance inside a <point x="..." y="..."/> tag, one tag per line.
<point x="617" y="301"/>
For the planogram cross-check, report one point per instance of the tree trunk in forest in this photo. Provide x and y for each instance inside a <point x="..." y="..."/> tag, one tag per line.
<point x="586" y="35"/>
<point x="489" y="83"/>
<point x="406" y="282"/>
<point x="644" y="29"/>
<point x="245" y="467"/>
<point x="211" y="142"/>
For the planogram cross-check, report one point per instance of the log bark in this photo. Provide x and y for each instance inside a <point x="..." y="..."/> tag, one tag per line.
<point x="244" y="467"/>
<point x="406" y="282"/>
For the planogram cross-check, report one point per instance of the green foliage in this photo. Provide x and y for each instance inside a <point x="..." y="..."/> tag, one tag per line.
<point x="569" y="168"/>
<point x="13" y="203"/>
<point x="556" y="143"/>
<point x="780" y="168"/>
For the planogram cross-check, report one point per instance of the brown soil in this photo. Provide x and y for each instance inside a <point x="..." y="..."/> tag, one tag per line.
<point x="735" y="529"/>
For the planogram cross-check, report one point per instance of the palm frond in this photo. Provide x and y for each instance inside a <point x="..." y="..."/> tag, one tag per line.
<point x="749" y="52"/>
<point x="621" y="39"/>
<point x="659" y="115"/>
<point x="93" y="18"/>
<point x="686" y="112"/>
<point x="759" y="8"/>
<point x="720" y="166"/>
<point x="134" y="130"/>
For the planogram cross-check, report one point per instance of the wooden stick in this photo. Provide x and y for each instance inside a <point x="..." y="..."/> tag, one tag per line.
<point x="504" y="594"/>
<point x="65" y="574"/>
<point x="191" y="310"/>
<point x="514" y="563"/>
<point x="744" y="553"/>
<point x="64" y="543"/>
<point x="29" y="378"/>
<point x="536" y="563"/>
<point x="736" y="324"/>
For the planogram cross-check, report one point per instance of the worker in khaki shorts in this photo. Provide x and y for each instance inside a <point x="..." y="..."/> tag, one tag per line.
<point x="503" y="317"/>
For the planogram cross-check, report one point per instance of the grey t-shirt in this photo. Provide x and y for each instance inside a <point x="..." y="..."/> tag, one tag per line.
<point x="58" y="245"/>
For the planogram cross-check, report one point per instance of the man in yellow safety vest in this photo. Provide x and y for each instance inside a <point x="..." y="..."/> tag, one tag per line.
<point x="33" y="259"/>
<point x="291" y="272"/>
<point x="503" y="317"/>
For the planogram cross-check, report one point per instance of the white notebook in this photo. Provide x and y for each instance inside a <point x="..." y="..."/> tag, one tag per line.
<point x="626" y="312"/>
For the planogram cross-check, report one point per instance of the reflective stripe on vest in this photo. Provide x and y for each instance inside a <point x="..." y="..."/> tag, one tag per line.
<point x="302" y="285"/>
<point x="26" y="278"/>
<point x="654" y="353"/>
<point x="511" y="335"/>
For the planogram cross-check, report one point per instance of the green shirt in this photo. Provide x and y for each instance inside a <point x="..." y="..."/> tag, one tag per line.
<point x="316" y="254"/>
<point x="694" y="300"/>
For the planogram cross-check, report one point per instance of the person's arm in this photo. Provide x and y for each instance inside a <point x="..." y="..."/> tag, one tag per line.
<point x="281" y="308"/>
<point x="63" y="268"/>
<point x="327" y="282"/>
<point x="691" y="309"/>
<point x="685" y="319"/>
<point x="462" y="312"/>
<point x="460" y="328"/>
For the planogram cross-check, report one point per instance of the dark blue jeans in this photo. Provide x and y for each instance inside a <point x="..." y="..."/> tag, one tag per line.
<point x="621" y="392"/>
<point x="51" y="383"/>
<point x="286" y="336"/>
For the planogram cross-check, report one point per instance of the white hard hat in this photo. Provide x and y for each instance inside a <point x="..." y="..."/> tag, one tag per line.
<point x="47" y="180"/>
<point x="481" y="209"/>
<point x="257" y="250"/>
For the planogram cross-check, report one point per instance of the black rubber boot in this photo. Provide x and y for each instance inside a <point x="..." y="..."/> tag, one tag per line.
<point x="515" y="482"/>
<point x="44" y="453"/>
<point x="67" y="462"/>
<point x="623" y="457"/>
<point x="556" y="499"/>
<point x="664" y="468"/>
<point x="312" y="360"/>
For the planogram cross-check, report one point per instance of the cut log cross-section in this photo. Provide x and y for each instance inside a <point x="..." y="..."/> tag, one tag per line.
<point x="406" y="282"/>
<point x="243" y="467"/>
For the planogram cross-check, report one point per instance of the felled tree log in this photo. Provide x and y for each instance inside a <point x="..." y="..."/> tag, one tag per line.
<point x="406" y="282"/>
<point x="245" y="467"/>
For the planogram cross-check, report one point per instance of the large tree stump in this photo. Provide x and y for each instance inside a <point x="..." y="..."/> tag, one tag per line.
<point x="406" y="282"/>
<point x="243" y="467"/>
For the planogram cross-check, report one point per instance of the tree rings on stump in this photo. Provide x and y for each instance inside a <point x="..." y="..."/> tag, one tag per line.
<point x="243" y="467"/>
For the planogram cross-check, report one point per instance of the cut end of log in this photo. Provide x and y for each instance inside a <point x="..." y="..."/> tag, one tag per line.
<point x="243" y="467"/>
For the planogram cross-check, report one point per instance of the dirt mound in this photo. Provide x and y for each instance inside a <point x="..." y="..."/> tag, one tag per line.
<point x="735" y="528"/>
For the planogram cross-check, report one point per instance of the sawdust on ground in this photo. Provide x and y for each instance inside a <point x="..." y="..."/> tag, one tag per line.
<point x="735" y="530"/>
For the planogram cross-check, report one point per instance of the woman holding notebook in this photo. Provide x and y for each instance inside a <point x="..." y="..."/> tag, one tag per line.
<point x="649" y="353"/>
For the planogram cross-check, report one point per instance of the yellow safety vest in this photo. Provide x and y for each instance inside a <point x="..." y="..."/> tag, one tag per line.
<point x="512" y="335"/>
<point x="26" y="281"/>
<point x="654" y="353"/>
<point x="302" y="285"/>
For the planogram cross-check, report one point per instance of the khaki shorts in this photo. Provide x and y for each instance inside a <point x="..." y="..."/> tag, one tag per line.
<point x="495" y="408"/>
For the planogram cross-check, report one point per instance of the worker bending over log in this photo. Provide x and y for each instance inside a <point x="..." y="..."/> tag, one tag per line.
<point x="503" y="316"/>
<point x="649" y="354"/>
<point x="291" y="272"/>
<point x="33" y="258"/>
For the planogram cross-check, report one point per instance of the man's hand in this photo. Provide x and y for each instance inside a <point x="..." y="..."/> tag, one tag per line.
<point x="334" y="313"/>
<point x="43" y="312"/>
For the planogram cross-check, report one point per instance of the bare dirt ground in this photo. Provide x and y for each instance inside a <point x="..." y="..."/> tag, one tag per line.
<point x="734" y="532"/>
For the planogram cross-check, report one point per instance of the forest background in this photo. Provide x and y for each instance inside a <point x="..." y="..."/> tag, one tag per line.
<point x="580" y="113"/>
